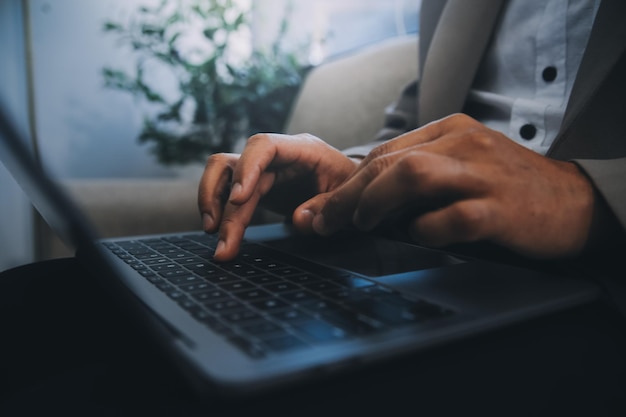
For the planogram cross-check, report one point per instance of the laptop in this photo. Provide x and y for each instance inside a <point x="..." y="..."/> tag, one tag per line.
<point x="290" y="309"/>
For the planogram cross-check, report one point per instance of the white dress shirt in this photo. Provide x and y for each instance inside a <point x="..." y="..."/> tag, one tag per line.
<point x="524" y="81"/>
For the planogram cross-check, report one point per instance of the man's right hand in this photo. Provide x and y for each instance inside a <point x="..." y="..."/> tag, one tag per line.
<point x="278" y="171"/>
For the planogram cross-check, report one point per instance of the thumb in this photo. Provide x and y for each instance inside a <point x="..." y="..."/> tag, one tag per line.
<point x="303" y="215"/>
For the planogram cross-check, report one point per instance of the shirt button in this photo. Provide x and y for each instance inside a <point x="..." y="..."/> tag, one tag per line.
<point x="549" y="74"/>
<point x="528" y="131"/>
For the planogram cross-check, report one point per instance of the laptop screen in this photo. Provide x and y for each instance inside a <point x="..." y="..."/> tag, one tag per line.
<point x="47" y="197"/>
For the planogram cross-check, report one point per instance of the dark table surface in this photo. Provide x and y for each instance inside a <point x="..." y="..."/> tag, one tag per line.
<point x="66" y="350"/>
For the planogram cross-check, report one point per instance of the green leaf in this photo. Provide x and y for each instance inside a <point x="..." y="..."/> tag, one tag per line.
<point x="112" y="27"/>
<point x="209" y="33"/>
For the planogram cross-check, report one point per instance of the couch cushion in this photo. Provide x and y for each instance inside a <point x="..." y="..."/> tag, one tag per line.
<point x="343" y="101"/>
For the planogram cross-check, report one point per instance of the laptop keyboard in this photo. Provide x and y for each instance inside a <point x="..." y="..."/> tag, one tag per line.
<point x="265" y="301"/>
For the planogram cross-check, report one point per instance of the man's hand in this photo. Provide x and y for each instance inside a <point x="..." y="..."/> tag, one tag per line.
<point x="278" y="171"/>
<point x="462" y="182"/>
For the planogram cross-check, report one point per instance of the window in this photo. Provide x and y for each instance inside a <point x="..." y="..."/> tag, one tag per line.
<point x="87" y="131"/>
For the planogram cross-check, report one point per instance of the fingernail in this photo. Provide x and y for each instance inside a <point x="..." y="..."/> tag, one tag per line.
<point x="307" y="215"/>
<point x="303" y="220"/>
<point x="235" y="191"/>
<point x="207" y="221"/>
<point x="220" y="247"/>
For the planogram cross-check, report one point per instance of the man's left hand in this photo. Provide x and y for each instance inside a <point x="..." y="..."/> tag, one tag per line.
<point x="463" y="182"/>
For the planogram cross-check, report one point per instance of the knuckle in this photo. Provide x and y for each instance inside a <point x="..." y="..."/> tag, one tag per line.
<point x="335" y="200"/>
<point x="460" y="121"/>
<point x="219" y="160"/>
<point x="480" y="139"/>
<point x="380" y="164"/>
<point x="460" y="118"/>
<point x="469" y="220"/>
<point x="415" y="165"/>
<point x="380" y="150"/>
<point x="232" y="223"/>
<point x="229" y="223"/>
<point x="308" y="137"/>
<point x="259" y="137"/>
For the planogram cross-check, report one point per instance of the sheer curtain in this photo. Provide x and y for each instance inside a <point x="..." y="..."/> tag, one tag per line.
<point x="332" y="27"/>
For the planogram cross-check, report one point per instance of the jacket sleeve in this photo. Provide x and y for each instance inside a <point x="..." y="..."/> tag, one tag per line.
<point x="400" y="117"/>
<point x="609" y="178"/>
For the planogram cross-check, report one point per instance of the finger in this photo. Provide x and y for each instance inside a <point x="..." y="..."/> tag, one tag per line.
<point x="462" y="222"/>
<point x="339" y="205"/>
<point x="425" y="134"/>
<point x="236" y="218"/>
<point x="416" y="179"/>
<point x="262" y="152"/>
<point x="213" y="188"/>
<point x="305" y="213"/>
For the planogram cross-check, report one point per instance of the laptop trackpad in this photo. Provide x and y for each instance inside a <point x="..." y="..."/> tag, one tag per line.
<point x="364" y="254"/>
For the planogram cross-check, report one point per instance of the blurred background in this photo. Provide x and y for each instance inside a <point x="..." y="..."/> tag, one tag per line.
<point x="131" y="89"/>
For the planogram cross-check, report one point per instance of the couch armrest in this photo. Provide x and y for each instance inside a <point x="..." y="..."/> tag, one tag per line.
<point x="128" y="207"/>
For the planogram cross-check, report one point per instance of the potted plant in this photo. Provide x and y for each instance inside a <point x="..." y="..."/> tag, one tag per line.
<point x="222" y="94"/>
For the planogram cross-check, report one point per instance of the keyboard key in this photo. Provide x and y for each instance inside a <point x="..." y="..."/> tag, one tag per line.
<point x="280" y="287"/>
<point x="176" y="295"/>
<point x="155" y="279"/>
<point x="165" y="287"/>
<point x="164" y="267"/>
<point x="157" y="261"/>
<point x="320" y="305"/>
<point x="148" y="255"/>
<point x="321" y="286"/>
<point x="253" y="295"/>
<point x="175" y="273"/>
<point x="264" y="279"/>
<point x="272" y="304"/>
<point x="241" y="316"/>
<point x="196" y="287"/>
<point x="291" y="316"/>
<point x="147" y="273"/>
<point x="187" y="304"/>
<point x="189" y="261"/>
<point x="223" y="305"/>
<point x="237" y="286"/>
<point x="211" y="295"/>
<point x="299" y="296"/>
<point x="266" y="264"/>
<point x="304" y="278"/>
<point x="284" y="272"/>
<point x="185" y="279"/>
<point x="222" y="279"/>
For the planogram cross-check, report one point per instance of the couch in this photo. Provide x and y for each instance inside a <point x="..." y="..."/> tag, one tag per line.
<point x="341" y="101"/>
